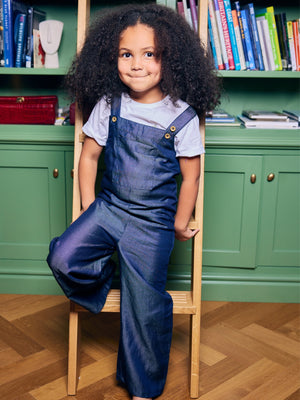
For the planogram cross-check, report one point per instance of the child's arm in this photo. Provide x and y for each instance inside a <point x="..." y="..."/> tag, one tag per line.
<point x="190" y="171"/>
<point x="87" y="172"/>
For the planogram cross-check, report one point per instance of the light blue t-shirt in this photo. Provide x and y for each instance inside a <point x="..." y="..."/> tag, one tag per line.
<point x="159" y="115"/>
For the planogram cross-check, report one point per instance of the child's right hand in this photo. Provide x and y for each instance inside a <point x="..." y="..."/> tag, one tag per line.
<point x="185" y="234"/>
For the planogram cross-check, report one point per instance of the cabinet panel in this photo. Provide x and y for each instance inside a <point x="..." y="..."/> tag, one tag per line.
<point x="279" y="235"/>
<point x="231" y="204"/>
<point x="32" y="204"/>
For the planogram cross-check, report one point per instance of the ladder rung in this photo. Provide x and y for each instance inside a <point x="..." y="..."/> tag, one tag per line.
<point x="182" y="303"/>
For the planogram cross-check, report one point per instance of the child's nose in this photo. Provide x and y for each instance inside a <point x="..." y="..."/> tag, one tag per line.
<point x="136" y="63"/>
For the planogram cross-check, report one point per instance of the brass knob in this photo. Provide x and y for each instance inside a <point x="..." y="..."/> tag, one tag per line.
<point x="253" y="178"/>
<point x="55" y="173"/>
<point x="72" y="173"/>
<point x="270" y="177"/>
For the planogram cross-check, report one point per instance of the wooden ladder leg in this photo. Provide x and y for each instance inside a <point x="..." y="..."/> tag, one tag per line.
<point x="195" y="355"/>
<point x="74" y="333"/>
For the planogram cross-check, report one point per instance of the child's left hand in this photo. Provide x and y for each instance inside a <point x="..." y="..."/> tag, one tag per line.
<point x="185" y="234"/>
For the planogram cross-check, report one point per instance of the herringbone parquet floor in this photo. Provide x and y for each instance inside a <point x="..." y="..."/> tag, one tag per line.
<point x="249" y="351"/>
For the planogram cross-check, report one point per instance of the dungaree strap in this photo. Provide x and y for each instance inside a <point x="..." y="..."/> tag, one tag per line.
<point x="116" y="106"/>
<point x="185" y="117"/>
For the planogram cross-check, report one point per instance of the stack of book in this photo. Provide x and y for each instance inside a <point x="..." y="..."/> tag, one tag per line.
<point x="19" y="35"/>
<point x="267" y="120"/>
<point x="248" y="37"/>
<point x="220" y="118"/>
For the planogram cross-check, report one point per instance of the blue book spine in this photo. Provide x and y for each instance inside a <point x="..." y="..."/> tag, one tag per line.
<point x="238" y="13"/>
<point x="235" y="52"/>
<point x="256" y="41"/>
<point x="248" y="40"/>
<point x="7" y="32"/>
<point x="212" y="43"/>
<point x="19" y="38"/>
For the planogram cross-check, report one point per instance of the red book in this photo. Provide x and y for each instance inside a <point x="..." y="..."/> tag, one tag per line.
<point x="296" y="44"/>
<point x="226" y="34"/>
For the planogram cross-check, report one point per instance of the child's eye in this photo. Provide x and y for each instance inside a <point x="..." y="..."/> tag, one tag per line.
<point x="125" y="55"/>
<point x="149" y="54"/>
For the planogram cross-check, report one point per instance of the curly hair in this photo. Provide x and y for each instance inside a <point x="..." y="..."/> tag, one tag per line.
<point x="188" y="72"/>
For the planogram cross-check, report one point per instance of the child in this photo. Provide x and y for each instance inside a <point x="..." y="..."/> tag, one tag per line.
<point x="147" y="78"/>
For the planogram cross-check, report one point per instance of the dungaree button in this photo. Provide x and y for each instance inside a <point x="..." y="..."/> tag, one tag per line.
<point x="173" y="128"/>
<point x="167" y="136"/>
<point x="114" y="119"/>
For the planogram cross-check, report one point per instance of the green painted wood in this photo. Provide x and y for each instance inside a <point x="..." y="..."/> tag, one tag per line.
<point x="32" y="204"/>
<point x="231" y="205"/>
<point x="279" y="233"/>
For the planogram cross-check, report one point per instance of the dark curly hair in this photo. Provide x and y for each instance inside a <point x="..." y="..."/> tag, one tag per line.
<point x="188" y="72"/>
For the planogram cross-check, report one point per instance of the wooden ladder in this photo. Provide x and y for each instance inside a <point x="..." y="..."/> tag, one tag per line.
<point x="184" y="302"/>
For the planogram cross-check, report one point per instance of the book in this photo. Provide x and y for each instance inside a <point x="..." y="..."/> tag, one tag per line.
<point x="2" y="60"/>
<point x="282" y="38"/>
<point x="265" y="115"/>
<point x="293" y="114"/>
<point x="267" y="41"/>
<point x="248" y="40"/>
<point x="238" y="39"/>
<point x="296" y="43"/>
<point x="236" y="57"/>
<point x="194" y="14"/>
<point x="239" y="17"/>
<point x="226" y="35"/>
<point x="212" y="43"/>
<point x="268" y="13"/>
<point x="255" y="39"/>
<point x="34" y="17"/>
<point x="220" y="118"/>
<point x="20" y="35"/>
<point x="291" y="44"/>
<point x="262" y="45"/>
<point x="214" y="33"/>
<point x="221" y="34"/>
<point x="7" y="32"/>
<point x="263" y="124"/>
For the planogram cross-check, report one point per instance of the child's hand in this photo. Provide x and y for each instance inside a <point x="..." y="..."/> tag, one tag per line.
<point x="185" y="234"/>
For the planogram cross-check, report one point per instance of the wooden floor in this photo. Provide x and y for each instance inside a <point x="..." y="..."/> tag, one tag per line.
<point x="249" y="351"/>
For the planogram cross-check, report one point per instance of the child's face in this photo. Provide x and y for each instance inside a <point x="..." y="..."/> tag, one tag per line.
<point x="138" y="67"/>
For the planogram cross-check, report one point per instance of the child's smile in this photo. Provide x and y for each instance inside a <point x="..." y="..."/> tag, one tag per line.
<point x="138" y="66"/>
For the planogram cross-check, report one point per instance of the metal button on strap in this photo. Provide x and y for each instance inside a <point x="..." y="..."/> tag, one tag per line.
<point x="173" y="128"/>
<point x="167" y="136"/>
<point x="114" y="119"/>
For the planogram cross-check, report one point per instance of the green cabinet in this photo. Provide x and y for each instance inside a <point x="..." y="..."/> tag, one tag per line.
<point x="231" y="207"/>
<point x="279" y="227"/>
<point x="251" y="211"/>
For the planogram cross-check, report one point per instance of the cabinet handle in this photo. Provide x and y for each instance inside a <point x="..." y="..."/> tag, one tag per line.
<point x="72" y="173"/>
<point x="270" y="177"/>
<point x="253" y="178"/>
<point x="55" y="173"/>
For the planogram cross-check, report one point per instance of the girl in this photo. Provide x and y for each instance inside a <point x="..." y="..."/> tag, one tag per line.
<point x="147" y="78"/>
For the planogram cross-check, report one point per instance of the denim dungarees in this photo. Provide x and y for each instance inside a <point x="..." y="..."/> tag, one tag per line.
<point x="134" y="215"/>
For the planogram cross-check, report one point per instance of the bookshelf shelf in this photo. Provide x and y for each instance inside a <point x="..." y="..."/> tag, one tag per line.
<point x="33" y="71"/>
<point x="260" y="74"/>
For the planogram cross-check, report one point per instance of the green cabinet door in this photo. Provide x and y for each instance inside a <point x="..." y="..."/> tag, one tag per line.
<point x="33" y="208"/>
<point x="231" y="205"/>
<point x="279" y="233"/>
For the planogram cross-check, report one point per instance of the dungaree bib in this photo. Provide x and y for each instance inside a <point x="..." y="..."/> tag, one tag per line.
<point x="134" y="215"/>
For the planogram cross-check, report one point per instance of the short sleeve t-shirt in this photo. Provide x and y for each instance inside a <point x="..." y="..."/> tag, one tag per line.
<point x="159" y="115"/>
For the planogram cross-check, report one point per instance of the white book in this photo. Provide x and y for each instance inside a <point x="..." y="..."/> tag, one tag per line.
<point x="267" y="42"/>
<point x="265" y="115"/>
<point x="221" y="35"/>
<point x="262" y="45"/>
<point x="255" y="124"/>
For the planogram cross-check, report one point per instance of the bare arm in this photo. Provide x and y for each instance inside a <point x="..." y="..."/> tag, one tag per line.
<point x="190" y="171"/>
<point x="88" y="164"/>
